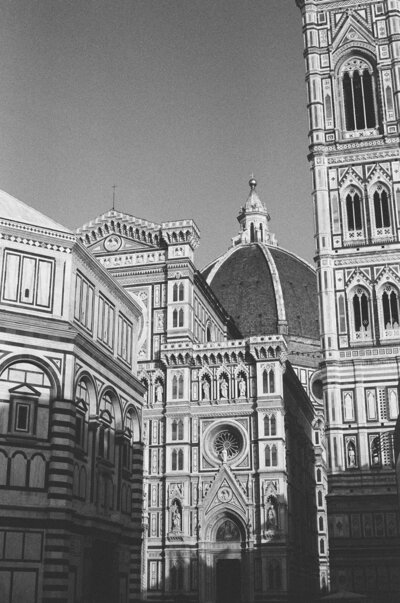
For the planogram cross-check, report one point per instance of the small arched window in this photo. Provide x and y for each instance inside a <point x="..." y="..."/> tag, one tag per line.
<point x="361" y="313"/>
<point x="390" y="309"/>
<point x="321" y="524"/>
<point x="353" y="211"/>
<point x="107" y="428"/>
<point x="381" y="209"/>
<point x="322" y="546"/>
<point x="175" y="319"/>
<point x="180" y="318"/>
<point x="274" y="455"/>
<point x="319" y="498"/>
<point x="177" y="460"/>
<point x="273" y="425"/>
<point x="319" y="476"/>
<point x="267" y="425"/>
<point x="175" y="292"/>
<point x="177" y="387"/>
<point x="358" y="95"/>
<point x="268" y="456"/>
<point x="268" y="381"/>
<point x="177" y="429"/>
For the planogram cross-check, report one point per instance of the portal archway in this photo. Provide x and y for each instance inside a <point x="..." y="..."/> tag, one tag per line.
<point x="225" y="559"/>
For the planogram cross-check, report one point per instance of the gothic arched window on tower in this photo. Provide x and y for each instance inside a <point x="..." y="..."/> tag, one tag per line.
<point x="268" y="381"/>
<point x="361" y="315"/>
<point x="354" y="215"/>
<point x="390" y="311"/>
<point x="382" y="213"/>
<point x="358" y="89"/>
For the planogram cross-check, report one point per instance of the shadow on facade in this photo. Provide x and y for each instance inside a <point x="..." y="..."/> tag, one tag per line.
<point x="229" y="575"/>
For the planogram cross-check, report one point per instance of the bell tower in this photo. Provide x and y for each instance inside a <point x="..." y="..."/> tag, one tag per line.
<point x="352" y="61"/>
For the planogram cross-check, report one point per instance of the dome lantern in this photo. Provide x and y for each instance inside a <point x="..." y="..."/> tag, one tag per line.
<point x="253" y="219"/>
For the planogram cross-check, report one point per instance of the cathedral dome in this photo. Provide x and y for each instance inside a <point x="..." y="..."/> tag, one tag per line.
<point x="266" y="289"/>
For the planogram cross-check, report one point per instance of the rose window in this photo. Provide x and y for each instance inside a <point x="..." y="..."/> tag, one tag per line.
<point x="226" y="443"/>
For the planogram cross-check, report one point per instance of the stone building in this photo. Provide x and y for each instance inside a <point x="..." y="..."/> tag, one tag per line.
<point x="234" y="444"/>
<point x="71" y="453"/>
<point x="352" y="59"/>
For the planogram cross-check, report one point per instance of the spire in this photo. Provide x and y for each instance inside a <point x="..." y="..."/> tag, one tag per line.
<point x="253" y="219"/>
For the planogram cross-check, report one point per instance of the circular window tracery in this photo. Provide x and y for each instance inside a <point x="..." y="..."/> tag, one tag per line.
<point x="227" y="443"/>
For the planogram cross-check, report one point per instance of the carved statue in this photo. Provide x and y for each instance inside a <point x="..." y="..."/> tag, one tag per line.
<point x="351" y="455"/>
<point x="175" y="518"/>
<point x="159" y="392"/>
<point x="271" y="517"/>
<point x="224" y="456"/>
<point x="223" y="389"/>
<point x="206" y="389"/>
<point x="242" y="388"/>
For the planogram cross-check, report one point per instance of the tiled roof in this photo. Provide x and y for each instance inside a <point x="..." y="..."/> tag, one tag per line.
<point x="244" y="284"/>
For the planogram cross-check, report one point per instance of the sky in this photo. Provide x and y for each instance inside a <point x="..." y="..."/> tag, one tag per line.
<point x="176" y="102"/>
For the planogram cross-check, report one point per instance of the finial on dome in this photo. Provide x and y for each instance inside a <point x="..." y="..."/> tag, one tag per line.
<point x="252" y="182"/>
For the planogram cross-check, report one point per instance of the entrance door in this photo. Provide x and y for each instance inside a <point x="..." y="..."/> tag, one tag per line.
<point x="228" y="581"/>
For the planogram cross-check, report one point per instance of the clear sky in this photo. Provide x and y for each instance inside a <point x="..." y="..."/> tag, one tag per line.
<point x="176" y="102"/>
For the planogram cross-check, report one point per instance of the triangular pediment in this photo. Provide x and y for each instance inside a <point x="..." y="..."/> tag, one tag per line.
<point x="353" y="30"/>
<point x="119" y="244"/>
<point x="225" y="493"/>
<point x="387" y="273"/>
<point x="24" y="389"/>
<point x="359" y="276"/>
<point x="351" y="175"/>
<point x="379" y="171"/>
<point x="116" y="231"/>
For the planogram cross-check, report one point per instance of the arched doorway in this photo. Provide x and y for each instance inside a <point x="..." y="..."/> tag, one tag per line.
<point x="228" y="565"/>
<point x="224" y="561"/>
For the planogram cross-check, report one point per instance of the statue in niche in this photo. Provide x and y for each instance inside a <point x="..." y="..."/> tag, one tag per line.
<point x="223" y="388"/>
<point x="159" y="392"/>
<point x="205" y="387"/>
<point x="375" y="451"/>
<point x="242" y="388"/>
<point x="175" y="518"/>
<point x="271" y="516"/>
<point x="351" y="455"/>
